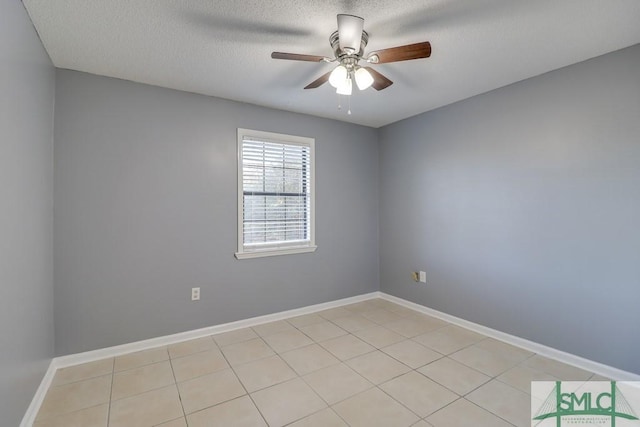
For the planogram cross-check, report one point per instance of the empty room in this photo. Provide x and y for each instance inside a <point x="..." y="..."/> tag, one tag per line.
<point x="337" y="213"/>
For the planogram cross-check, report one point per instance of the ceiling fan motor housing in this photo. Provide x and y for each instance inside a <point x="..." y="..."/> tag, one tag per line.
<point x="334" y="40"/>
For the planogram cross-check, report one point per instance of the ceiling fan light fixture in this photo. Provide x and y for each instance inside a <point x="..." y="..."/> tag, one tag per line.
<point x="345" y="88"/>
<point x="348" y="44"/>
<point x="338" y="76"/>
<point x="363" y="78"/>
<point x="350" y="33"/>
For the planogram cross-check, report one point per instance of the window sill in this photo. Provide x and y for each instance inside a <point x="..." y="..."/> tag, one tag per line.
<point x="275" y="252"/>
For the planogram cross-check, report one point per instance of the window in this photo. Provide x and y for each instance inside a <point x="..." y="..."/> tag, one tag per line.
<point x="275" y="194"/>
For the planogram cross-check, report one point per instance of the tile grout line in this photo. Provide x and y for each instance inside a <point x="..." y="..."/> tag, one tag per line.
<point x="242" y="385"/>
<point x="184" y="415"/>
<point x="443" y="356"/>
<point x="402" y="404"/>
<point x="145" y="391"/>
<point x="301" y="377"/>
<point x="491" y="412"/>
<point x="113" y="374"/>
<point x="343" y="362"/>
<point x="286" y="363"/>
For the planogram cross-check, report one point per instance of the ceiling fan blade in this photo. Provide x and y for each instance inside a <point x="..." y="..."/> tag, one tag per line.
<point x="401" y="53"/>
<point x="350" y="32"/>
<point x="319" y="81"/>
<point x="297" y="57"/>
<point x="379" y="81"/>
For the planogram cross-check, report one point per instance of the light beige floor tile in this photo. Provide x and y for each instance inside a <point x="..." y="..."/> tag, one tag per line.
<point x="272" y="328"/>
<point x="379" y="336"/>
<point x="325" y="418"/>
<point x="247" y="351"/>
<point x="377" y="367"/>
<point x="143" y="379"/>
<point x="240" y="412"/>
<point x="374" y="408"/>
<point x="198" y="364"/>
<point x="305" y="320"/>
<point x="427" y="317"/>
<point x="264" y="373"/>
<point x="411" y="327"/>
<point x="192" y="346"/>
<point x="557" y="369"/>
<point x="334" y="313"/>
<point x="449" y="339"/>
<point x="308" y="359"/>
<point x="353" y="323"/>
<point x="287" y="340"/>
<point x="401" y="310"/>
<point x="380" y="316"/>
<point x="336" y="383"/>
<point x="146" y="409"/>
<point x="411" y="353"/>
<point x="520" y="377"/>
<point x="75" y="396"/>
<point x="209" y="390"/>
<point x="480" y="359"/>
<point x="381" y="303"/>
<point x="454" y="375"/>
<point x="234" y="337"/>
<point x="83" y="372"/>
<point x="504" y="401"/>
<point x="180" y="422"/>
<point x="138" y="380"/>
<point x="433" y="322"/>
<point x="347" y="347"/>
<point x="360" y="307"/>
<point x="463" y="413"/>
<point x="141" y="358"/>
<point x="499" y="347"/>
<point x="322" y="331"/>
<point x="287" y="402"/>
<point x="418" y="393"/>
<point x="96" y="416"/>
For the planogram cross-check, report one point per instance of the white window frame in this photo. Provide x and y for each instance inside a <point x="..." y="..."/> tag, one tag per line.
<point x="284" y="248"/>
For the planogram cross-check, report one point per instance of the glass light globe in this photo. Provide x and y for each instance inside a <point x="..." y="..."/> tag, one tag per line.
<point x="345" y="88"/>
<point x="363" y="78"/>
<point x="338" y="76"/>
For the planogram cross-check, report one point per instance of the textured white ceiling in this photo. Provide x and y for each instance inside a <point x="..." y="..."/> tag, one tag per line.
<point x="222" y="47"/>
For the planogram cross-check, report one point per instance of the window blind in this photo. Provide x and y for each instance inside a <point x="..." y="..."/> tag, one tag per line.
<point x="276" y="194"/>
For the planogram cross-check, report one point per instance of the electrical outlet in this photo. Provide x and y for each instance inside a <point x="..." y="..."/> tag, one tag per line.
<point x="195" y="294"/>
<point x="423" y="277"/>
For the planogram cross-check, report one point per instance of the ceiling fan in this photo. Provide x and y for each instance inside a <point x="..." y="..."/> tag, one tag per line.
<point x="348" y="44"/>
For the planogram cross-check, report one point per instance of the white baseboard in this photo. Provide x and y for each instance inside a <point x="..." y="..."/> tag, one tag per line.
<point x="30" y="416"/>
<point x="103" y="353"/>
<point x="91" y="356"/>
<point x="552" y="353"/>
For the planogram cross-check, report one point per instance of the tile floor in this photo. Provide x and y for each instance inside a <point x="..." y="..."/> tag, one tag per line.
<point x="372" y="363"/>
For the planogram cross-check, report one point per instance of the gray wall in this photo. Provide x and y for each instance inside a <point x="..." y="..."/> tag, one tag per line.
<point x="26" y="190"/>
<point x="523" y="207"/>
<point x="145" y="209"/>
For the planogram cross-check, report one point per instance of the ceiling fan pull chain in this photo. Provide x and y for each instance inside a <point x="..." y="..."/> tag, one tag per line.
<point x="339" y="102"/>
<point x="349" y="100"/>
